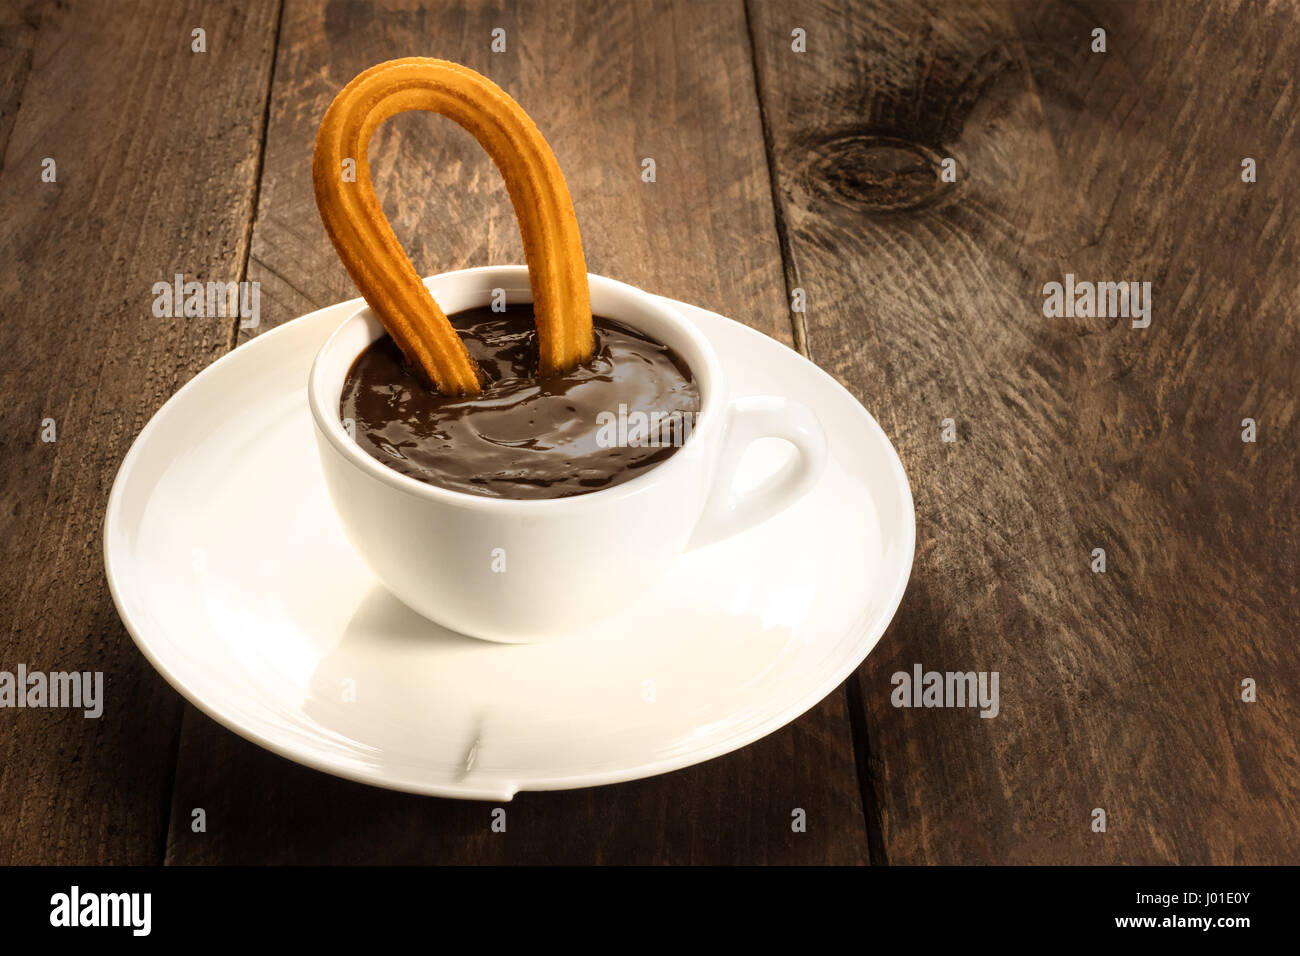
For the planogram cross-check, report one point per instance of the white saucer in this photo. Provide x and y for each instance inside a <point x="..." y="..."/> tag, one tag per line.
<point x="232" y="575"/>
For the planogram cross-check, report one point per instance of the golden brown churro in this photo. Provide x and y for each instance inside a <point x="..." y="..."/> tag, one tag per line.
<point x="375" y="259"/>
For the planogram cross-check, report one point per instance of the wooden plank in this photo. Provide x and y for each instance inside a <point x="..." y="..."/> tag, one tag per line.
<point x="673" y="83"/>
<point x="1119" y="690"/>
<point x="606" y="99"/>
<point x="18" y="30"/>
<point x="116" y="97"/>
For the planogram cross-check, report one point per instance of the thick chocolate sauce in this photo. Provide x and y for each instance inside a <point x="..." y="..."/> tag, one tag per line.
<point x="602" y="424"/>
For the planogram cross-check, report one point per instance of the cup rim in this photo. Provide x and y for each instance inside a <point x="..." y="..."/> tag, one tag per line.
<point x="705" y="367"/>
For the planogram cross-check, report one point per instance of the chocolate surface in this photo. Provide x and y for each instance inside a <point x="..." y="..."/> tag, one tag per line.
<point x="602" y="424"/>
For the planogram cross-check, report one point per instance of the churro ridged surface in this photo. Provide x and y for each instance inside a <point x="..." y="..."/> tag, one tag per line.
<point x="375" y="259"/>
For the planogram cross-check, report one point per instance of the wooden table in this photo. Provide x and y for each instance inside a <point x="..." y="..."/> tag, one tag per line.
<point x="776" y="170"/>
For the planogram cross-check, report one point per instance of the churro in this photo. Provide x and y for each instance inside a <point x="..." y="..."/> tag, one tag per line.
<point x="383" y="273"/>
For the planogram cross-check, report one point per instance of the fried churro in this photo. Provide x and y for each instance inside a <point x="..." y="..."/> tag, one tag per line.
<point x="374" y="258"/>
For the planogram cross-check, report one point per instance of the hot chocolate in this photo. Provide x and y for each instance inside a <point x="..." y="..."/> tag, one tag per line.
<point x="524" y="436"/>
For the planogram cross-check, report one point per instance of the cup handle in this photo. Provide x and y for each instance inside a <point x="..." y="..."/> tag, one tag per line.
<point x="727" y="512"/>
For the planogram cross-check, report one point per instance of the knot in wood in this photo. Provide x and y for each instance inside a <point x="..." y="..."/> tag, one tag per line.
<point x="881" y="173"/>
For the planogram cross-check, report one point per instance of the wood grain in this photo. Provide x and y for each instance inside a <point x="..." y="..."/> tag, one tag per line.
<point x="1119" y="690"/>
<point x="609" y="86"/>
<point x="116" y="97"/>
<point x="776" y="170"/>
<point x="18" y="29"/>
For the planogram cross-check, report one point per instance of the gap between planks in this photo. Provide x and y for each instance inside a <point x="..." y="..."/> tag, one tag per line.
<point x="859" y="731"/>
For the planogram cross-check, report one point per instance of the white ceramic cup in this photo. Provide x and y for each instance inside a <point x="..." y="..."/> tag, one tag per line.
<point x="567" y="561"/>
